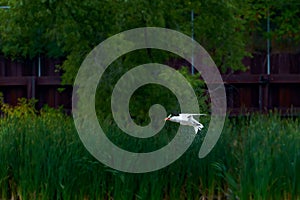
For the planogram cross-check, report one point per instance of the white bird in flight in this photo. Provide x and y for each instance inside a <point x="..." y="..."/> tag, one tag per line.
<point x="186" y="119"/>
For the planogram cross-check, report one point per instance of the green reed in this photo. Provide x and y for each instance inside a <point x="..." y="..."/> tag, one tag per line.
<point x="42" y="157"/>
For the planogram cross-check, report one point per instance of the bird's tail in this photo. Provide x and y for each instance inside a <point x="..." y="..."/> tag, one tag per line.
<point x="198" y="127"/>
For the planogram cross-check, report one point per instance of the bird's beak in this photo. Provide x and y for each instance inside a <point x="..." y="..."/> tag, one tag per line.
<point x="168" y="118"/>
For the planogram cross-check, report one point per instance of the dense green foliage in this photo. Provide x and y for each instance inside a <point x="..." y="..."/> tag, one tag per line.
<point x="257" y="157"/>
<point x="146" y="96"/>
<point x="229" y="30"/>
<point x="72" y="28"/>
<point x="284" y="22"/>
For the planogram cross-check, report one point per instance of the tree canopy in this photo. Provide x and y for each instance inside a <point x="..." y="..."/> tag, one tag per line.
<point x="284" y="24"/>
<point x="228" y="30"/>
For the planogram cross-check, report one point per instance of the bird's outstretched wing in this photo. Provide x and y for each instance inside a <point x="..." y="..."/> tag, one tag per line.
<point x="188" y="115"/>
<point x="198" y="128"/>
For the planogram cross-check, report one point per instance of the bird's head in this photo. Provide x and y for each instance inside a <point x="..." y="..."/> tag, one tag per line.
<point x="173" y="114"/>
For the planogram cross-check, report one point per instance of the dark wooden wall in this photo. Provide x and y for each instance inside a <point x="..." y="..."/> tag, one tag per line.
<point x="251" y="91"/>
<point x="25" y="79"/>
<point x="256" y="90"/>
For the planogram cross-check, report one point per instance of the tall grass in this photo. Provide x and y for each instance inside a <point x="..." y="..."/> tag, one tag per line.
<point x="42" y="157"/>
<point x="266" y="153"/>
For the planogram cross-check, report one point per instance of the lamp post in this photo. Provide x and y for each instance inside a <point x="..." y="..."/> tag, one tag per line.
<point x="192" y="25"/>
<point x="5" y="7"/>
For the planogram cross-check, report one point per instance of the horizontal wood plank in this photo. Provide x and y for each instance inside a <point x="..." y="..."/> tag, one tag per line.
<point x="13" y="81"/>
<point x="257" y="79"/>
